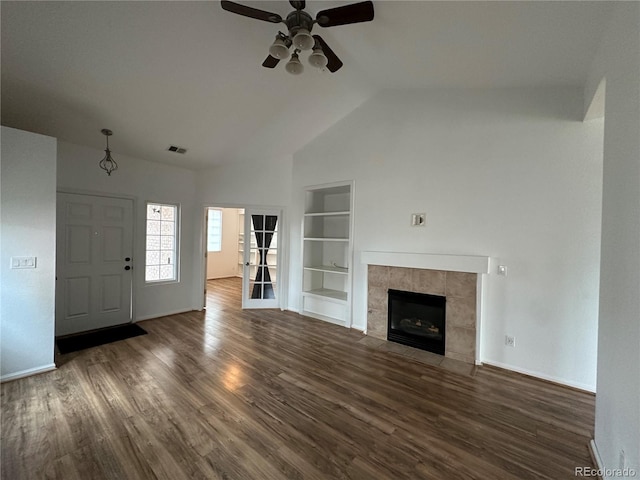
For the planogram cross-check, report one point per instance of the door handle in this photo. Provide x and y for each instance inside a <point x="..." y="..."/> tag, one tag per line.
<point x="127" y="267"/>
<point x="247" y="264"/>
<point x="127" y="259"/>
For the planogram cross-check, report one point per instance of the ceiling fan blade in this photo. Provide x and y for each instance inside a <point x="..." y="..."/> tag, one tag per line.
<point x="250" y="12"/>
<point x="354" y="13"/>
<point x="333" y="62"/>
<point x="298" y="4"/>
<point x="270" y="62"/>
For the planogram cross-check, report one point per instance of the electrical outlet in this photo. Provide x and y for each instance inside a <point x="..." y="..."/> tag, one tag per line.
<point x="510" y="341"/>
<point x="418" y="219"/>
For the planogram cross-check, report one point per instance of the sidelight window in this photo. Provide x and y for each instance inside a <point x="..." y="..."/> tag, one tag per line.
<point x="161" y="243"/>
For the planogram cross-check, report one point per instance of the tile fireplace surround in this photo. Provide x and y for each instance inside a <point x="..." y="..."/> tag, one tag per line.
<point x="458" y="278"/>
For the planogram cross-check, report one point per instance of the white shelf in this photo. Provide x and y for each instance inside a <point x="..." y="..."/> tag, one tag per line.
<point x="323" y="239"/>
<point x="328" y="293"/>
<point x="328" y="214"/>
<point x="328" y="269"/>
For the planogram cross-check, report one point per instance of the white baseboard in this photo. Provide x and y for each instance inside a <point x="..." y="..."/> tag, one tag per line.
<point x="593" y="449"/>
<point x="163" y="314"/>
<point x="542" y="376"/>
<point x="27" y="373"/>
<point x="324" y="318"/>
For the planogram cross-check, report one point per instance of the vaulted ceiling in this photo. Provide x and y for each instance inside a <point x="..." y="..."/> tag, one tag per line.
<point x="190" y="74"/>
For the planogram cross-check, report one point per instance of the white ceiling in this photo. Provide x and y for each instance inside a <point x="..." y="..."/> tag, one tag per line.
<point x="189" y="73"/>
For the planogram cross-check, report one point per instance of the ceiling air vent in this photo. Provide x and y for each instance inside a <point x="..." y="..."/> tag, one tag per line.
<point x="174" y="148"/>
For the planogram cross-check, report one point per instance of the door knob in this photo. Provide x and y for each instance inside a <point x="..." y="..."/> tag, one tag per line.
<point x="247" y="264"/>
<point x="128" y="259"/>
<point x="127" y="267"/>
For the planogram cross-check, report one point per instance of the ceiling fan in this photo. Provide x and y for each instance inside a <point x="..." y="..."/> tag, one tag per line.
<point x="299" y="24"/>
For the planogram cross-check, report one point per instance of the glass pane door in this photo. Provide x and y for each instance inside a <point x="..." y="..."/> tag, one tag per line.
<point x="260" y="278"/>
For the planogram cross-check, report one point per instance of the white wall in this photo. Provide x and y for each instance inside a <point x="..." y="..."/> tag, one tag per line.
<point x="618" y="401"/>
<point x="28" y="213"/>
<point x="258" y="183"/>
<point x="512" y="174"/>
<point x="145" y="181"/>
<point x="225" y="262"/>
<point x="251" y="183"/>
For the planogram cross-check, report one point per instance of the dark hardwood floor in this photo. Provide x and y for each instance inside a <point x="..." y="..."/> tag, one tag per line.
<point x="232" y="394"/>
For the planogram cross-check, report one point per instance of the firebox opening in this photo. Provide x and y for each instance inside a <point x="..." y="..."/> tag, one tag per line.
<point x="417" y="320"/>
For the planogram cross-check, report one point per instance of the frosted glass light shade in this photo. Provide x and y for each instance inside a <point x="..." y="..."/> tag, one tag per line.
<point x="317" y="58"/>
<point x="293" y="66"/>
<point x="279" y="49"/>
<point x="303" y="40"/>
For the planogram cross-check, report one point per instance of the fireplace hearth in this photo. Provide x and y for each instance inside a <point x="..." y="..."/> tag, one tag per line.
<point x="417" y="320"/>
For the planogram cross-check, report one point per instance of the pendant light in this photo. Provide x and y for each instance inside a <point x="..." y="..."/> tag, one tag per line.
<point x="108" y="164"/>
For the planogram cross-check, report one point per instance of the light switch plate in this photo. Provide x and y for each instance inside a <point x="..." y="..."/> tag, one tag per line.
<point x="502" y="270"/>
<point x="23" y="262"/>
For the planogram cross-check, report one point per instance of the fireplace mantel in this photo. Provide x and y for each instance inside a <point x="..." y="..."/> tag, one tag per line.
<point x="429" y="261"/>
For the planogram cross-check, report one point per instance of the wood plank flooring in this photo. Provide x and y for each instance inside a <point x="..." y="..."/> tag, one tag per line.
<point x="232" y="394"/>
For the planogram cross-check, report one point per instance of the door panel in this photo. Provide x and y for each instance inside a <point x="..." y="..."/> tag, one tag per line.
<point x="78" y="295"/>
<point x="113" y="244"/>
<point x="111" y="212"/>
<point x="77" y="211"/>
<point x="111" y="297"/>
<point x="261" y="258"/>
<point x="95" y="236"/>
<point x="78" y="244"/>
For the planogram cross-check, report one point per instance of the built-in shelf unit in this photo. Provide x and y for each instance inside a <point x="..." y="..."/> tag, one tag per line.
<point x="327" y="252"/>
<point x="241" y="242"/>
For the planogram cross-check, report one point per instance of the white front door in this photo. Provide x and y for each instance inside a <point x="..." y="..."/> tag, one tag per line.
<point x="260" y="287"/>
<point x="94" y="262"/>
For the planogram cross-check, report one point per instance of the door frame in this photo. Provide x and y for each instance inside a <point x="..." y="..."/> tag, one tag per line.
<point x="136" y="247"/>
<point x="283" y="246"/>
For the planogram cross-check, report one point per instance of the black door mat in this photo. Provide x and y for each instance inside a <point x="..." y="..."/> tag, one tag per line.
<point x="99" y="337"/>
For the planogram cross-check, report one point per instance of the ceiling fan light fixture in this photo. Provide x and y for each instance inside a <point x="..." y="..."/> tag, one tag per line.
<point x="279" y="49"/>
<point x="303" y="40"/>
<point x="317" y="59"/>
<point x="293" y="66"/>
<point x="299" y="24"/>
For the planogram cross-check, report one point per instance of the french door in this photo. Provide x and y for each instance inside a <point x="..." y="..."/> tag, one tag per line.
<point x="94" y="262"/>
<point x="260" y="287"/>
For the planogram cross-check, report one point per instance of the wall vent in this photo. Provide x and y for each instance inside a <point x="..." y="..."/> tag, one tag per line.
<point x="174" y="148"/>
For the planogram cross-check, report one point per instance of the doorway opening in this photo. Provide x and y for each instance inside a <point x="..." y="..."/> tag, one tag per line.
<point x="224" y="247"/>
<point x="242" y="252"/>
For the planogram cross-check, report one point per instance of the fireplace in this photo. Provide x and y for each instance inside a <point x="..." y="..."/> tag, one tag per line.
<point x="417" y="320"/>
<point x="459" y="278"/>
